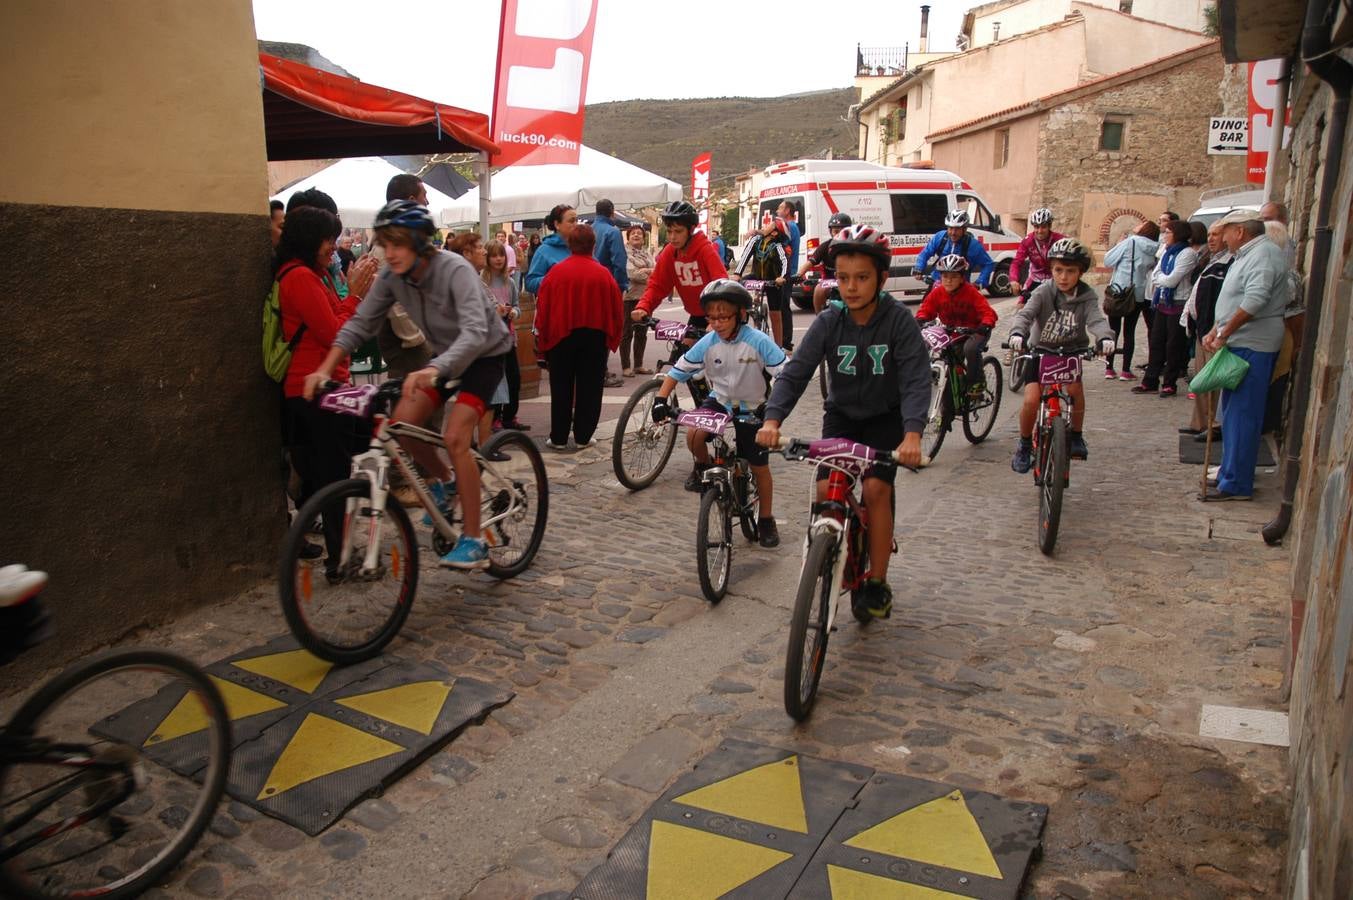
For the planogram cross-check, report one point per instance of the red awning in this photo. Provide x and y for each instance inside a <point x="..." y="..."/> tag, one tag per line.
<point x="312" y="114"/>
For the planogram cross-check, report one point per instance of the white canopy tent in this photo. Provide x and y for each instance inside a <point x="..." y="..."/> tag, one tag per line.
<point x="358" y="187"/>
<point x="529" y="192"/>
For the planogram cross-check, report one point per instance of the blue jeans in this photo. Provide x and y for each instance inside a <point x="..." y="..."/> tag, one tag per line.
<point x="1242" y="420"/>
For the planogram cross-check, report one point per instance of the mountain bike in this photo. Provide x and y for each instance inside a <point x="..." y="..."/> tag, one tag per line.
<point x="641" y="447"/>
<point x="759" y="315"/>
<point x="1055" y="368"/>
<point x="836" y="559"/>
<point x="729" y="490"/>
<point x="949" y="394"/>
<point x="88" y="804"/>
<point x="356" y="605"/>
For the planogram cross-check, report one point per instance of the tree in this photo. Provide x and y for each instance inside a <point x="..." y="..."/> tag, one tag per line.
<point x="1211" y="20"/>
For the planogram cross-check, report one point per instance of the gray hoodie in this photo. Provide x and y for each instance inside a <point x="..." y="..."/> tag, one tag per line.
<point x="1062" y="320"/>
<point x="450" y="305"/>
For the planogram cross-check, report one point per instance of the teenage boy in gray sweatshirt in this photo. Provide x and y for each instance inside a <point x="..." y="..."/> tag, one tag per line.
<point x="880" y="387"/>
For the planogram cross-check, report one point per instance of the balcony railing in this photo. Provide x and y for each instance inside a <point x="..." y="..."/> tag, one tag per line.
<point x="880" y="60"/>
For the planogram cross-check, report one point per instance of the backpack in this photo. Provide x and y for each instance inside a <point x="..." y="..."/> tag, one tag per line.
<point x="277" y="349"/>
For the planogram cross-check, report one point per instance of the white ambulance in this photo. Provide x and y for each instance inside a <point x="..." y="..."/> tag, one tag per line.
<point x="909" y="204"/>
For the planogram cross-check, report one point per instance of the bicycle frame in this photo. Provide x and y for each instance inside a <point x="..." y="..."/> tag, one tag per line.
<point x="18" y="749"/>
<point x="830" y="517"/>
<point x="1054" y="402"/>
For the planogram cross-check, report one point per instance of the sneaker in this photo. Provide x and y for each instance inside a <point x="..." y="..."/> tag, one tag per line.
<point x="1192" y="395"/>
<point x="443" y="495"/>
<point x="1077" y="446"/>
<point x="311" y="551"/>
<point x="1168" y="391"/>
<point x="695" y="482"/>
<point x="469" y="553"/>
<point x="876" y="598"/>
<point x="1110" y="375"/>
<point x="496" y="456"/>
<point x="612" y="380"/>
<point x="557" y="448"/>
<point x="977" y="393"/>
<point x="1125" y="376"/>
<point x="1023" y="460"/>
<point x="583" y="445"/>
<point x="1143" y="389"/>
<point x="767" y="533"/>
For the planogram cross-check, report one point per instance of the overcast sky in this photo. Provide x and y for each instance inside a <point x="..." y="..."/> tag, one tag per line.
<point x="642" y="48"/>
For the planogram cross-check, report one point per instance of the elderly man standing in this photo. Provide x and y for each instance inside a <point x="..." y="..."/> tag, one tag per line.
<point x="1249" y="321"/>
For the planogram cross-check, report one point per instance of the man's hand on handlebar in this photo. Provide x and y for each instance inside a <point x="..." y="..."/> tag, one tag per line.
<point x="769" y="434"/>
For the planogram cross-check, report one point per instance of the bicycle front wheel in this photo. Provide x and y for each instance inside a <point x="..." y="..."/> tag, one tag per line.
<point x="641" y="448"/>
<point x="714" y="544"/>
<point x="516" y="503"/>
<point x="809" y="627"/>
<point x="937" y="426"/>
<point x="748" y="501"/>
<point x="980" y="415"/>
<point x="349" y="607"/>
<point x="1053" y="482"/>
<point x="88" y="803"/>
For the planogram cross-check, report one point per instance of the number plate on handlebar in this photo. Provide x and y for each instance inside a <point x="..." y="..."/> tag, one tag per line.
<point x="668" y="330"/>
<point x="704" y="420"/>
<point x="937" y="337"/>
<point x="350" y="400"/>
<point x="821" y="449"/>
<point x="752" y="284"/>
<point x="826" y="283"/>
<point x="1053" y="369"/>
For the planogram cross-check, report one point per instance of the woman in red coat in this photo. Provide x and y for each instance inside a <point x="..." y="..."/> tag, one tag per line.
<point x="578" y="316"/>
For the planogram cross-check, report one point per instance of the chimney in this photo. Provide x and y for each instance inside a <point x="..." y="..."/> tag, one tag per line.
<point x="925" y="30"/>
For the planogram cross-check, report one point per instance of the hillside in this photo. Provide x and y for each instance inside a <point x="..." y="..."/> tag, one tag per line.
<point x="663" y="136"/>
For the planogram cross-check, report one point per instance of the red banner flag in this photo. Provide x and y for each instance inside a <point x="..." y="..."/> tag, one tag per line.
<point x="1263" y="96"/>
<point x="701" y="167"/>
<point x="544" y="49"/>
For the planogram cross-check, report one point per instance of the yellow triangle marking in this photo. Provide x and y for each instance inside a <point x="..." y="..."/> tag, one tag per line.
<point x="847" y="884"/>
<point x="188" y="716"/>
<point x="686" y="864"/>
<point x="941" y="832"/>
<point x="771" y="794"/>
<point x="321" y="747"/>
<point x="296" y="668"/>
<point x="415" y="706"/>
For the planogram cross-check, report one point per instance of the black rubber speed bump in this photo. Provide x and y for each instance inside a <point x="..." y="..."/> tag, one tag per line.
<point x="758" y="822"/>
<point x="1191" y="452"/>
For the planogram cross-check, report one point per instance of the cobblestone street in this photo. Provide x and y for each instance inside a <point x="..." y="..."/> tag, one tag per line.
<point x="1076" y="681"/>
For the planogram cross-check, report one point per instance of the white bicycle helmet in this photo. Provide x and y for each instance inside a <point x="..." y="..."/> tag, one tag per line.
<point x="957" y="218"/>
<point x="952" y="263"/>
<point x="1040" y="216"/>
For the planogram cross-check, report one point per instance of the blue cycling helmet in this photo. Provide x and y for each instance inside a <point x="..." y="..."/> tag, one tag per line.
<point x="408" y="214"/>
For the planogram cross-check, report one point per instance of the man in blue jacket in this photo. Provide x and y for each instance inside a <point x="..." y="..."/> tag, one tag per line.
<point x="954" y="238"/>
<point x="610" y="252"/>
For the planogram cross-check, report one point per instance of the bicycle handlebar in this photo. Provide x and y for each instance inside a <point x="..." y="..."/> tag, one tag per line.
<point x="651" y="324"/>
<point x="801" y="449"/>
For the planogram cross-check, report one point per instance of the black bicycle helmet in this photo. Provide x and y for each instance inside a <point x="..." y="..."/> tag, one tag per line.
<point x="952" y="262"/>
<point x="840" y="220"/>
<point x="1072" y="251"/>
<point x="862" y="239"/>
<point x="681" y="212"/>
<point x="727" y="290"/>
<point x="405" y="214"/>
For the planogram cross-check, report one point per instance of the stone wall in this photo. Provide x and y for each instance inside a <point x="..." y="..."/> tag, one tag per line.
<point x="1320" y="859"/>
<point x="1164" y="154"/>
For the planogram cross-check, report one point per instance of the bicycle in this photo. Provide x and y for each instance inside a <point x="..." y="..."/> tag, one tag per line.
<point x="1017" y="377"/>
<point x="641" y="447"/>
<point x="1052" y="459"/>
<point x="729" y="489"/>
<point x="83" y="813"/>
<point x="836" y="559"/>
<point x="949" y="396"/>
<point x="359" y="604"/>
<point x="760" y="313"/>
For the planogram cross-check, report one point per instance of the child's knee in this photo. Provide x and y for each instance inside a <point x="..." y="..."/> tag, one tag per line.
<point x="877" y="491"/>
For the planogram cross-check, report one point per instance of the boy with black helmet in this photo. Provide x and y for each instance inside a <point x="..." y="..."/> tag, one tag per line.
<point x="687" y="263"/>
<point x="1063" y="308"/>
<point x="448" y="301"/>
<point x="738" y="363"/>
<point x="821" y="256"/>
<point x="879" y="392"/>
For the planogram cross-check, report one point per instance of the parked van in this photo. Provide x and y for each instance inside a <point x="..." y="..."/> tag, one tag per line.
<point x="909" y="204"/>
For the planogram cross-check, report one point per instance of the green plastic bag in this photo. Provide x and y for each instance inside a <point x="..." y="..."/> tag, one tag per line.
<point x="1223" y="372"/>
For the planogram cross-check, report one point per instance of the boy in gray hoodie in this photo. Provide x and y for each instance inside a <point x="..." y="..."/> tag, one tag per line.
<point x="1064" y="309"/>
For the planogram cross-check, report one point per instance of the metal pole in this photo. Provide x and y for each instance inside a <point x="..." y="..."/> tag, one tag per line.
<point x="1275" y="144"/>
<point x="485" y="194"/>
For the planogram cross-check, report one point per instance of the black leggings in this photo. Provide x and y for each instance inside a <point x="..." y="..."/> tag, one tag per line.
<point x="1125" y="336"/>
<point x="1169" y="357"/>
<point x="777" y="298"/>
<point x="973" y="345"/>
<point x="322" y="447"/>
<point x="512" y="371"/>
<point x="577" y="370"/>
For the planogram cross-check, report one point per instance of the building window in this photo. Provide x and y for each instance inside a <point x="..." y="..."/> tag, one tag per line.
<point x="1002" y="148"/>
<point x="1113" y="134"/>
<point x="901" y="130"/>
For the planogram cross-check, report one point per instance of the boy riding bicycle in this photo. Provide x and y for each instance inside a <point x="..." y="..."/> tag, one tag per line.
<point x="738" y="362"/>
<point x="1063" y="309"/>
<point x="880" y="386"/>
<point x="445" y="297"/>
<point x="821" y="257"/>
<point x="958" y="304"/>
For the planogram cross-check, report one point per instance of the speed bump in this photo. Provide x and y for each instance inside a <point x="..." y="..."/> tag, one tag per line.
<point x="310" y="739"/>
<point x="754" y="821"/>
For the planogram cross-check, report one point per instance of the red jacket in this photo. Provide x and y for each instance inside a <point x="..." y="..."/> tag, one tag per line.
<point x="578" y="292"/>
<point x="689" y="271"/>
<point x="966" y="309"/>
<point x="304" y="297"/>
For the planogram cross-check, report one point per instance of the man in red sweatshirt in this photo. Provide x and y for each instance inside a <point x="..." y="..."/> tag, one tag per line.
<point x="687" y="263"/>
<point x="958" y="304"/>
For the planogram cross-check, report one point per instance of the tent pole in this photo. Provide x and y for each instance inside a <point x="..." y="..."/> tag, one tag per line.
<point x="484" y="194"/>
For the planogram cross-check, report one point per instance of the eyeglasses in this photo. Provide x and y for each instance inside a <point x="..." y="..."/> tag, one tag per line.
<point x="719" y="318"/>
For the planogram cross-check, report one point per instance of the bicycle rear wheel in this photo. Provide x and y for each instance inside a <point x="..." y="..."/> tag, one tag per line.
<point x="809" y="627"/>
<point x="340" y="611"/>
<point x="91" y="808"/>
<point x="1052" y="484"/>
<point x="714" y="544"/>
<point x="641" y="448"/>
<point x="978" y="418"/>
<point x="519" y="487"/>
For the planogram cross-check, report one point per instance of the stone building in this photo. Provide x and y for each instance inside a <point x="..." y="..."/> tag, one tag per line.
<point x="1106" y="154"/>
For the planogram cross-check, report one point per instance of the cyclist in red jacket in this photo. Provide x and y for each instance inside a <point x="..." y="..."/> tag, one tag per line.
<point x="958" y="304"/>
<point x="687" y="263"/>
<point x="1031" y="259"/>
